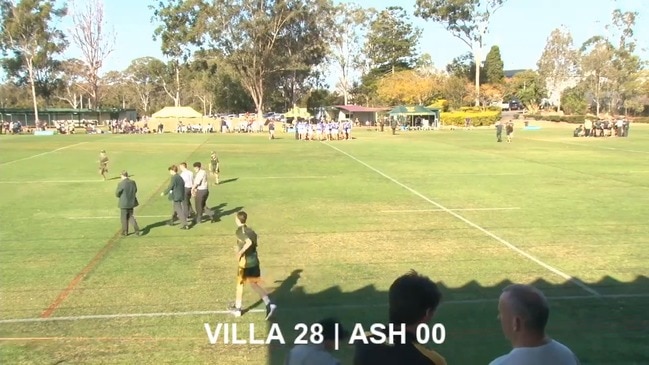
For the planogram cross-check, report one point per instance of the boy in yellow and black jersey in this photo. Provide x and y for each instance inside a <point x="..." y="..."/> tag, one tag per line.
<point x="249" y="271"/>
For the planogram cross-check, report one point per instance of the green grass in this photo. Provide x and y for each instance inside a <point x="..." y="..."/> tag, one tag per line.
<point x="333" y="234"/>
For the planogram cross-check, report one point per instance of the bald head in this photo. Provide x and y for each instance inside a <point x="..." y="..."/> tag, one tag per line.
<point x="529" y="304"/>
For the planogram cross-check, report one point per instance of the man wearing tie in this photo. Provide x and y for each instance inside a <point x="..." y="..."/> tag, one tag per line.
<point x="127" y="194"/>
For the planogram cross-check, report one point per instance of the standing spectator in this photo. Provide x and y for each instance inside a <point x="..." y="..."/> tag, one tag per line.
<point x="524" y="312"/>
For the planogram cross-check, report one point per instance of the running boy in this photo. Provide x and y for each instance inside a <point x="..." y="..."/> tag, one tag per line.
<point x="103" y="163"/>
<point x="249" y="270"/>
<point x="214" y="167"/>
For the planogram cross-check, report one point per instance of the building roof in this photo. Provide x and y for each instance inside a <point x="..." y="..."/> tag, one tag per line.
<point x="360" y="109"/>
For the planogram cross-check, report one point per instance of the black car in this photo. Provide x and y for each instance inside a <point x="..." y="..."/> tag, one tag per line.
<point x="515" y="105"/>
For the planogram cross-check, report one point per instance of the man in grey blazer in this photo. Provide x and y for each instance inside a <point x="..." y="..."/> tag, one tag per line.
<point x="127" y="194"/>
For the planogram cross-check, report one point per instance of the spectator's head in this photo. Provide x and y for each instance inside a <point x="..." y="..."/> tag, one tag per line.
<point x="241" y="218"/>
<point x="523" y="312"/>
<point x="197" y="166"/>
<point x="413" y="299"/>
<point x="124" y="174"/>
<point x="173" y="169"/>
<point x="330" y="332"/>
<point x="183" y="165"/>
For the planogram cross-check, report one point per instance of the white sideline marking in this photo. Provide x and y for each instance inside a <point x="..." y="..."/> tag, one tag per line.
<point x="479" y="173"/>
<point x="41" y="154"/>
<point x="325" y="307"/>
<point x="53" y="182"/>
<point x="486" y="232"/>
<point x="117" y="217"/>
<point x="587" y="145"/>
<point x="285" y="177"/>
<point x="442" y="210"/>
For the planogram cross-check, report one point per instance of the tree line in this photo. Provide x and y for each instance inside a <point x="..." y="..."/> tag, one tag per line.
<point x="267" y="55"/>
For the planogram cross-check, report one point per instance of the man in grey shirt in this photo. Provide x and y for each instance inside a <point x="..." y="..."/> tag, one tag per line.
<point x="524" y="312"/>
<point x="319" y="353"/>
<point x="201" y="193"/>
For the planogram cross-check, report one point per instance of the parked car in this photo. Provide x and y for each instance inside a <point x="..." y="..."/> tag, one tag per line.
<point x="515" y="105"/>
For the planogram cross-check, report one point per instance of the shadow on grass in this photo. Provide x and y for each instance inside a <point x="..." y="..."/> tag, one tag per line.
<point x="605" y="329"/>
<point x="228" y="180"/>
<point x="218" y="212"/>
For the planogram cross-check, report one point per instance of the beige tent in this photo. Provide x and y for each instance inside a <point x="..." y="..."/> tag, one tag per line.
<point x="170" y="116"/>
<point x="177" y="112"/>
<point x="298" y="113"/>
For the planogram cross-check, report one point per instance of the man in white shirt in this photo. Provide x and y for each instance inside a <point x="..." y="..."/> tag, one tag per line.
<point x="524" y="312"/>
<point x="200" y="193"/>
<point x="188" y="178"/>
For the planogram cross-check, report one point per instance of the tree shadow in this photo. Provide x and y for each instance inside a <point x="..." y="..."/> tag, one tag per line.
<point x="605" y="329"/>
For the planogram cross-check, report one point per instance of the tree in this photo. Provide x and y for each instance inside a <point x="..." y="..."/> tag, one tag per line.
<point x="558" y="65"/>
<point x="143" y="75"/>
<point x="177" y="32"/>
<point x="71" y="81"/>
<point x="392" y="39"/>
<point x="494" y="66"/>
<point x="597" y="67"/>
<point x="95" y="42"/>
<point x="455" y="91"/>
<point x="202" y="71"/>
<point x="574" y="101"/>
<point x="26" y="31"/>
<point x="346" y="48"/>
<point x="491" y="94"/>
<point x="467" y="20"/>
<point x="527" y="87"/>
<point x="118" y="93"/>
<point x="257" y="38"/>
<point x="626" y="65"/>
<point x="408" y="87"/>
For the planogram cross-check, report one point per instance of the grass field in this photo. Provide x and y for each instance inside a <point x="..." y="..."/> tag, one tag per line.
<point x="337" y="223"/>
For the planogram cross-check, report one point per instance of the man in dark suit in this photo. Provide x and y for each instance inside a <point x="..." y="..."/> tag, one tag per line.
<point x="176" y="191"/>
<point x="127" y="195"/>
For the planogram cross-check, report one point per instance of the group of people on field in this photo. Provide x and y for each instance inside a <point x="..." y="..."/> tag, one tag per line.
<point x="603" y="128"/>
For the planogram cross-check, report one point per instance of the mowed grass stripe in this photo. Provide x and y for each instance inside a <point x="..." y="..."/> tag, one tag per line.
<point x="47" y="312"/>
<point x="326" y="249"/>
<point x="486" y="232"/>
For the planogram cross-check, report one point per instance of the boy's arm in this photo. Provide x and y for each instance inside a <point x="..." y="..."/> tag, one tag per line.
<point x="244" y="248"/>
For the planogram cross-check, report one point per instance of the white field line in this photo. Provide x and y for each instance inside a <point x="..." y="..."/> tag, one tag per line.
<point x="470" y="223"/>
<point x="117" y="217"/>
<point x="317" y="308"/>
<point x="478" y="173"/>
<point x="283" y="177"/>
<point x="42" y="154"/>
<point x="442" y="210"/>
<point x="53" y="182"/>
<point x="588" y="145"/>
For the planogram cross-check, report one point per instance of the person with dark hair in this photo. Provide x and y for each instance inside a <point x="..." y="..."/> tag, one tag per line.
<point x="523" y="313"/>
<point x="127" y="194"/>
<point x="319" y="353"/>
<point x="413" y="299"/>
<point x="176" y="193"/>
<point x="249" y="269"/>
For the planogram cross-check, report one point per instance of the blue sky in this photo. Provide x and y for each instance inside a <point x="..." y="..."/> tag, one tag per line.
<point x="520" y="29"/>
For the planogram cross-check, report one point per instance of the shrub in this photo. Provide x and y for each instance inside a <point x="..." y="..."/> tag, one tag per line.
<point x="640" y="120"/>
<point x="478" y="118"/>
